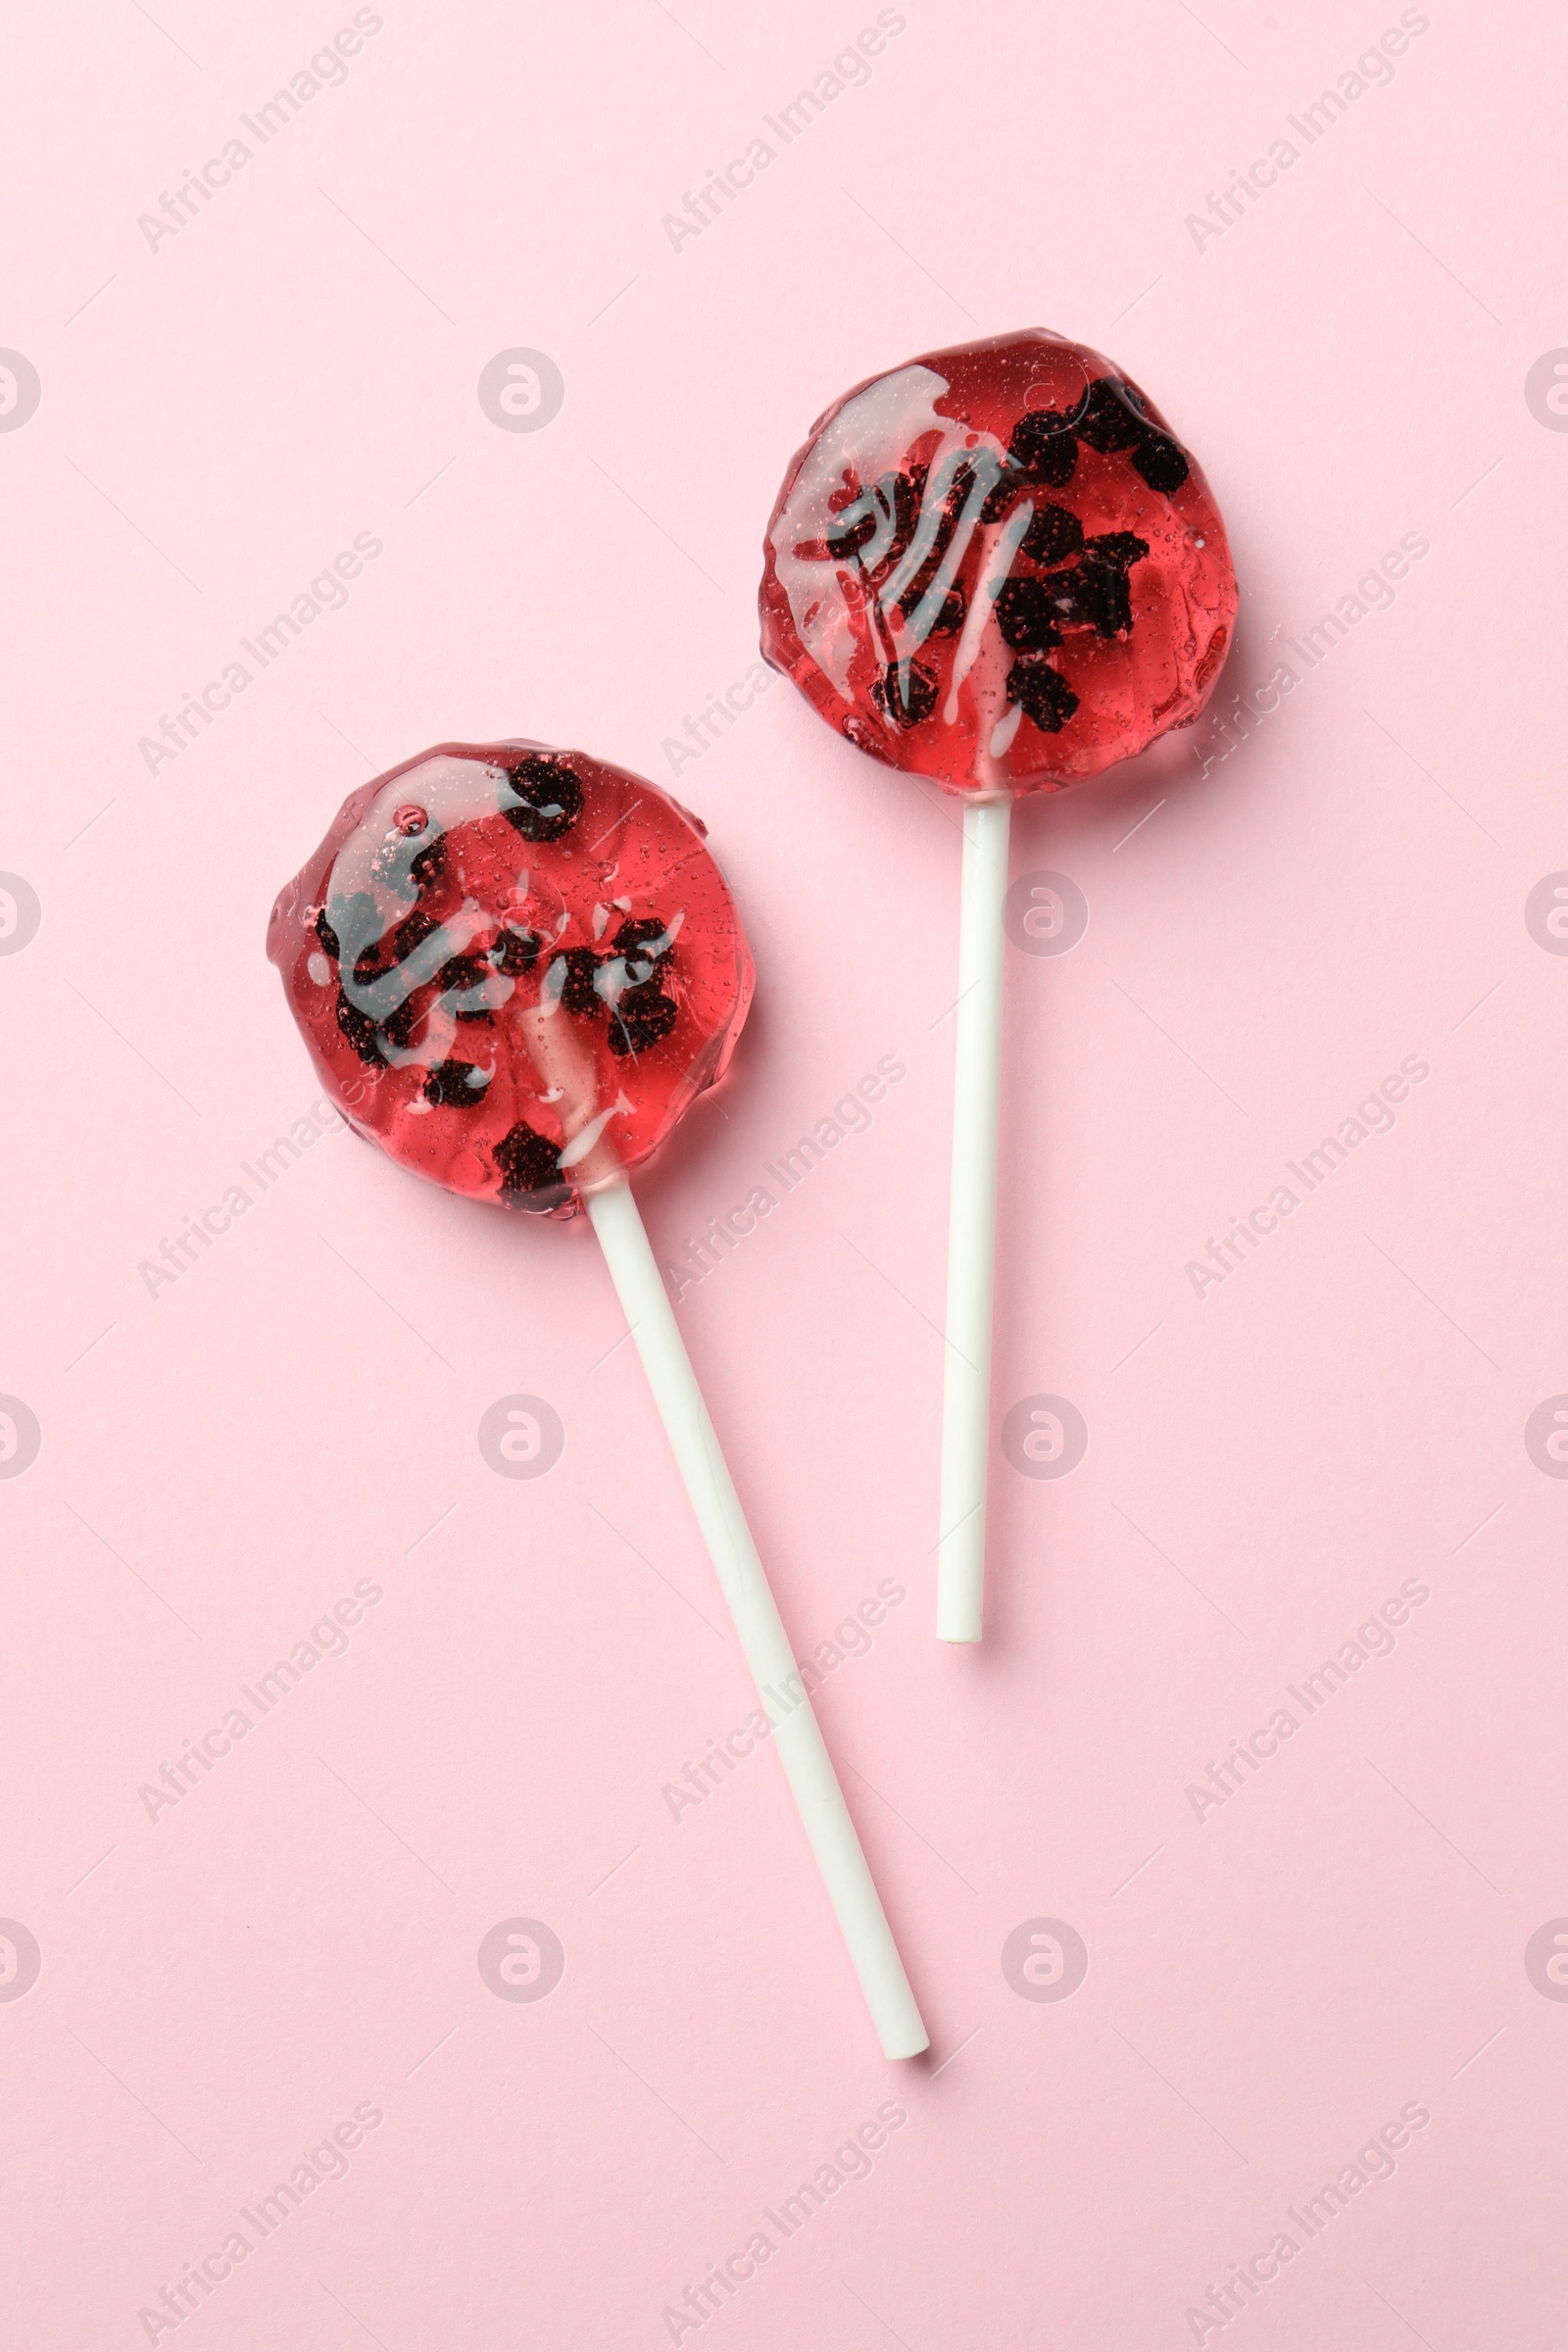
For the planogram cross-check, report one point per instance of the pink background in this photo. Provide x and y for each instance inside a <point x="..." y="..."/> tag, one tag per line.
<point x="1268" y="1984"/>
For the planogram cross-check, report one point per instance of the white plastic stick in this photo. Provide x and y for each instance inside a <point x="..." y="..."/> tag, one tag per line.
<point x="972" y="1224"/>
<point x="796" y="1734"/>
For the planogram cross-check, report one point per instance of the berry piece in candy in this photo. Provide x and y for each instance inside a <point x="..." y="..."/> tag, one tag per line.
<point x="642" y="1017"/>
<point x="1027" y="615"/>
<point x="1054" y="534"/>
<point x="516" y="952"/>
<point x="1043" y="692"/>
<point x="461" y="1084"/>
<point x="998" y="566"/>
<point x="516" y="967"/>
<point x="529" y="1163"/>
<point x="548" y="798"/>
<point x="1043" y="448"/>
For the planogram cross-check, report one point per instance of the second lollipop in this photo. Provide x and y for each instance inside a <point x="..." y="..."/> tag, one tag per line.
<point x="995" y="567"/>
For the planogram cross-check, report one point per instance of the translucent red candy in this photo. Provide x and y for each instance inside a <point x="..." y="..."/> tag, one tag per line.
<point x="996" y="567"/>
<point x="515" y="968"/>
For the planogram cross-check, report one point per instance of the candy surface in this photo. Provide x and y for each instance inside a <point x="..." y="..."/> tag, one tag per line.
<point x="996" y="567"/>
<point x="515" y="968"/>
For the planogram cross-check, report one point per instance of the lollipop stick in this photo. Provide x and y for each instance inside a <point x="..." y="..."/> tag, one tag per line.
<point x="972" y="1228"/>
<point x="796" y="1734"/>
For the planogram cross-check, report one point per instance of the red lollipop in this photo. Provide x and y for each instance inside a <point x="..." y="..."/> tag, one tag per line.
<point x="515" y="968"/>
<point x="504" y="956"/>
<point x="995" y="567"/>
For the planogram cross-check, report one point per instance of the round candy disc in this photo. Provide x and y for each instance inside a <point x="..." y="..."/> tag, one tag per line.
<point x="515" y="968"/>
<point x="998" y="566"/>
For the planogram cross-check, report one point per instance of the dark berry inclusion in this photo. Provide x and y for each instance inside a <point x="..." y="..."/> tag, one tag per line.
<point x="455" y="1085"/>
<point x="529" y="1162"/>
<point x="549" y="798"/>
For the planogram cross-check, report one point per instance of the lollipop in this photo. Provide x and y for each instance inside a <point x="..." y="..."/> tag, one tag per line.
<point x="996" y="567"/>
<point x="515" y="968"/>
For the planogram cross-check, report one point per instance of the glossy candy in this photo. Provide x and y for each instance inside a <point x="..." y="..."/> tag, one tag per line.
<point x="996" y="567"/>
<point x="514" y="966"/>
